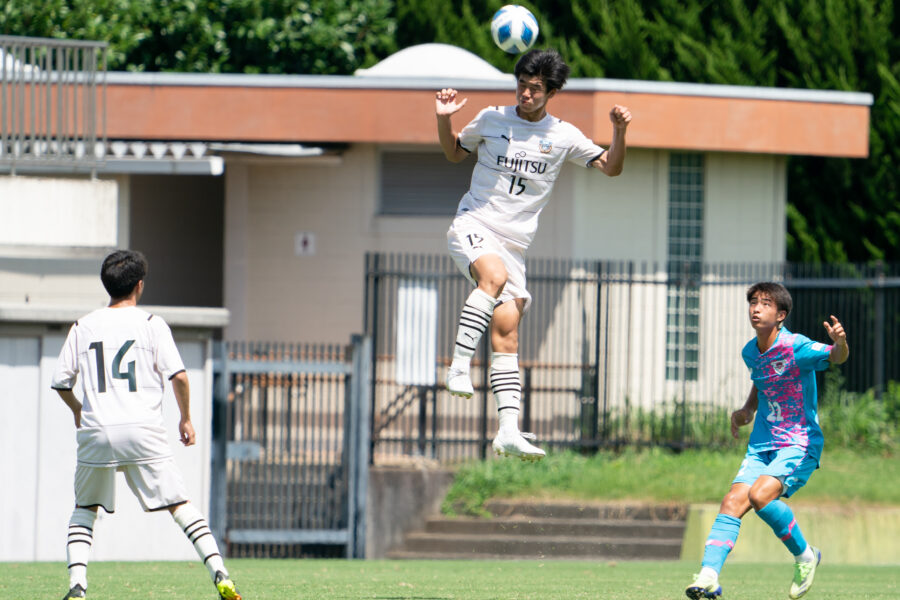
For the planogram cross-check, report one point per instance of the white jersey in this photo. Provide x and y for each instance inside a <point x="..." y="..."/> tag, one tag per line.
<point x="518" y="163"/>
<point x="121" y="359"/>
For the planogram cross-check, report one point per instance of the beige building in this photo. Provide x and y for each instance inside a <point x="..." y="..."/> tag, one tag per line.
<point x="257" y="197"/>
<point x="261" y="194"/>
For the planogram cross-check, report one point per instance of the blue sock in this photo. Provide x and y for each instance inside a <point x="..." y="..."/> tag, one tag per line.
<point x="721" y="540"/>
<point x="780" y="518"/>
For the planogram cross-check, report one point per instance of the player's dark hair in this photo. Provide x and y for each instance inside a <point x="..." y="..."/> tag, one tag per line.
<point x="121" y="271"/>
<point x="546" y="64"/>
<point x="776" y="292"/>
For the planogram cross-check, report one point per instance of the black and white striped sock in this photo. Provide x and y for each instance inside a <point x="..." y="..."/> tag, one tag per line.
<point x="507" y="388"/>
<point x="78" y="545"/>
<point x="473" y="321"/>
<point x="197" y="531"/>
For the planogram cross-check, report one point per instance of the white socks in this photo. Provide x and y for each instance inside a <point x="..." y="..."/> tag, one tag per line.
<point x="507" y="389"/>
<point x="78" y="546"/>
<point x="197" y="531"/>
<point x="473" y="321"/>
<point x="806" y="556"/>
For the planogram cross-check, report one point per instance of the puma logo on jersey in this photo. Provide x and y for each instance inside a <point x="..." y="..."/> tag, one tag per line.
<point x="507" y="138"/>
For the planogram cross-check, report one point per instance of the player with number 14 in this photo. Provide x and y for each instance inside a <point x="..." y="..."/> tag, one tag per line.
<point x="121" y="357"/>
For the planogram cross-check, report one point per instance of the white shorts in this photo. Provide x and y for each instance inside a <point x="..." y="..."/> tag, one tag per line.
<point x="469" y="240"/>
<point x="157" y="485"/>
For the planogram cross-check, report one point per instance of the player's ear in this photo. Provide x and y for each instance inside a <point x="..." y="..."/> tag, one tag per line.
<point x="551" y="93"/>
<point x="780" y="316"/>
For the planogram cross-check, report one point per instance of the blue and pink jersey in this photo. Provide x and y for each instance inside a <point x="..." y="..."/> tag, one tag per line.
<point x="785" y="379"/>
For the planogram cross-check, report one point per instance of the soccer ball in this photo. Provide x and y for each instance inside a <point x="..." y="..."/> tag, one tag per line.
<point x="514" y="28"/>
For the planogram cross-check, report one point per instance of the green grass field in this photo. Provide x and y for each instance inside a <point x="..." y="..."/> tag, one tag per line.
<point x="656" y="475"/>
<point x="441" y="580"/>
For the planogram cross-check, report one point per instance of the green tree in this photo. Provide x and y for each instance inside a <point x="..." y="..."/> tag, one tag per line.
<point x="219" y="36"/>
<point x="840" y="209"/>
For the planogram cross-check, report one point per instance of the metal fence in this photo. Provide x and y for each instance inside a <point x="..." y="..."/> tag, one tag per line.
<point x="52" y="102"/>
<point x="290" y="464"/>
<point x="611" y="353"/>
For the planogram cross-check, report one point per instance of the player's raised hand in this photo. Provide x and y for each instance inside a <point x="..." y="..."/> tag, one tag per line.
<point x="835" y="330"/>
<point x="620" y="116"/>
<point x="739" y="418"/>
<point x="840" y="351"/>
<point x="446" y="103"/>
<point x="186" y="433"/>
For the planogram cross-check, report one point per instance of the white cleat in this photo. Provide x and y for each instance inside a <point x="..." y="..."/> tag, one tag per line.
<point x="516" y="444"/>
<point x="459" y="383"/>
<point x="705" y="586"/>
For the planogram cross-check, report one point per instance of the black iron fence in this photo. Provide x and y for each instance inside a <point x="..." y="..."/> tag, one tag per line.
<point x="290" y="451"/>
<point x="611" y="353"/>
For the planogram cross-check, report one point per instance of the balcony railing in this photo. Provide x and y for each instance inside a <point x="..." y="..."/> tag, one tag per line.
<point x="52" y="103"/>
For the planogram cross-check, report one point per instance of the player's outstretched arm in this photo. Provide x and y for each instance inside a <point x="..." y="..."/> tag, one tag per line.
<point x="744" y="414"/>
<point x="182" y="388"/>
<point x="612" y="161"/>
<point x="72" y="402"/>
<point x="840" y="351"/>
<point x="445" y="105"/>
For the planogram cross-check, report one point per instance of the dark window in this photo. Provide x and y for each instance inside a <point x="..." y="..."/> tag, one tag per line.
<point x="422" y="183"/>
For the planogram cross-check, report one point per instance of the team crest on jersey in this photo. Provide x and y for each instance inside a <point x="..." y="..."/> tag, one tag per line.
<point x="545" y="146"/>
<point x="779" y="366"/>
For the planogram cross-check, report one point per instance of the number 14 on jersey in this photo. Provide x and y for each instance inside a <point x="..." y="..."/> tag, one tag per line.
<point x="116" y="369"/>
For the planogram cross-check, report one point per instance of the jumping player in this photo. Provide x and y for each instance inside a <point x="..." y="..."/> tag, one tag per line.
<point x="520" y="151"/>
<point x="124" y="356"/>
<point x="786" y="442"/>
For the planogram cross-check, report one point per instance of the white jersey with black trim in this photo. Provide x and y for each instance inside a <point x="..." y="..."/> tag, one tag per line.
<point x="120" y="358"/>
<point x="518" y="163"/>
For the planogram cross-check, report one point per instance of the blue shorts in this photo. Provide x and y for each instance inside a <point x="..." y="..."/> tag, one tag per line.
<point x="792" y="466"/>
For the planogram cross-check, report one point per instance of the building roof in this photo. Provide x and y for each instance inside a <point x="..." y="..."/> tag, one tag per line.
<point x="392" y="103"/>
<point x="434" y="60"/>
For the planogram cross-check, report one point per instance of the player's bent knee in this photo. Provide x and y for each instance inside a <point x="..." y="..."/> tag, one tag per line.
<point x="759" y="499"/>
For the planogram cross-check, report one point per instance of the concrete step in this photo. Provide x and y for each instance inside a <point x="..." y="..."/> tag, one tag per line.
<point x="525" y="526"/>
<point x="404" y="555"/>
<point x="572" y="510"/>
<point x="539" y="546"/>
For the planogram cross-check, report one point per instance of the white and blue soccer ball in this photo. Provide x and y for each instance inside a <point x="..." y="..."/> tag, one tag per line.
<point x="514" y="28"/>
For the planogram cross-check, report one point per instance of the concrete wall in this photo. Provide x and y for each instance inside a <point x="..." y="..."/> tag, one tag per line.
<point x="746" y="198"/>
<point x="624" y="217"/>
<point x="845" y="535"/>
<point x="274" y="292"/>
<point x="38" y="450"/>
<point x="399" y="501"/>
<point x="54" y="233"/>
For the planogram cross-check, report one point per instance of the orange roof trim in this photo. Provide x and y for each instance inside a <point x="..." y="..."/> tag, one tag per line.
<point x="344" y="109"/>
